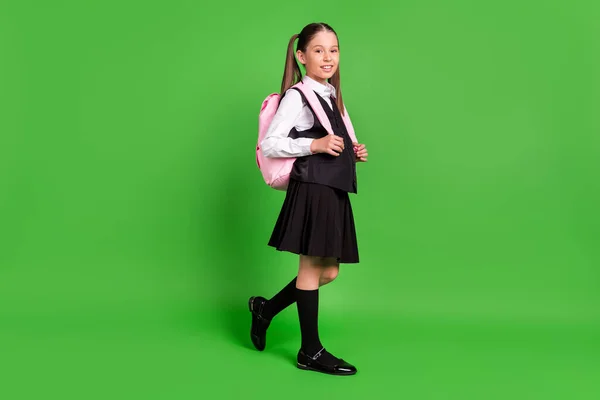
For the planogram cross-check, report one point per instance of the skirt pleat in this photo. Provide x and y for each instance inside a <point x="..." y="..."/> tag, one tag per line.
<point x="316" y="220"/>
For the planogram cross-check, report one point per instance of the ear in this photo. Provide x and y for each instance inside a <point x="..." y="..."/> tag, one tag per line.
<point x="301" y="57"/>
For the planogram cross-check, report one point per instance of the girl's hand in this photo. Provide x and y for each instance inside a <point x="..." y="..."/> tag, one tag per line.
<point x="361" y="152"/>
<point x="330" y="144"/>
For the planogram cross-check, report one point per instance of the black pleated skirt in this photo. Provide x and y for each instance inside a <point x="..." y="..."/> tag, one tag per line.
<point x="316" y="220"/>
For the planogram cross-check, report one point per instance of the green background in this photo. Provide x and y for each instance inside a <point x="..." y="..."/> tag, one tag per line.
<point x="134" y="220"/>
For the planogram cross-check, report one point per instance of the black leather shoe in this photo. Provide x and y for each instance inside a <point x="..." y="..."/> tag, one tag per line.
<point x="258" y="331"/>
<point x="313" y="364"/>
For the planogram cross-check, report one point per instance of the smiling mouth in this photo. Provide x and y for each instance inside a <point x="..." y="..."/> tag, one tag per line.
<point x="327" y="68"/>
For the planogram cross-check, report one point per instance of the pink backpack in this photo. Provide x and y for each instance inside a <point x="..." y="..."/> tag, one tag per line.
<point x="276" y="170"/>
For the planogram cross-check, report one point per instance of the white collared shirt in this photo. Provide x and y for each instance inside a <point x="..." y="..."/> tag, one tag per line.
<point x="293" y="113"/>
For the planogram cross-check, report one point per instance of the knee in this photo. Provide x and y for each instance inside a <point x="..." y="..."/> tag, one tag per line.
<point x="329" y="274"/>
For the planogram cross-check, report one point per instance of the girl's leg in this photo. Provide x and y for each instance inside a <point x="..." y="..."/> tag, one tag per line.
<point x="328" y="271"/>
<point x="312" y="355"/>
<point x="284" y="298"/>
<point x="307" y="301"/>
<point x="318" y="271"/>
<point x="309" y="272"/>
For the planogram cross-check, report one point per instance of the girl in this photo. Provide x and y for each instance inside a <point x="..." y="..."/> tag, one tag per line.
<point x="316" y="220"/>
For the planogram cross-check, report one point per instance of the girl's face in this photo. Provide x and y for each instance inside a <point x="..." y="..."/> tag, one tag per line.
<point x="321" y="57"/>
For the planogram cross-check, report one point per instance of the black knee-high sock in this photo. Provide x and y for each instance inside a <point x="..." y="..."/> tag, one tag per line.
<point x="307" y="302"/>
<point x="281" y="300"/>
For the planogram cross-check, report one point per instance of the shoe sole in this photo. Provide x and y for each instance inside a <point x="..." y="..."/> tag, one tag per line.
<point x="307" y="368"/>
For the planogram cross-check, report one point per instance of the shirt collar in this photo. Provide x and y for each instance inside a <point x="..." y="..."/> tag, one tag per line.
<point x="325" y="90"/>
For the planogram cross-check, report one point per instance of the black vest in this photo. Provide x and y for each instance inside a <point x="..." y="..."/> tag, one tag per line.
<point x="336" y="171"/>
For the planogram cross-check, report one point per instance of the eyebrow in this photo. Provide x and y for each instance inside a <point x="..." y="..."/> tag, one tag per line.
<point x="320" y="45"/>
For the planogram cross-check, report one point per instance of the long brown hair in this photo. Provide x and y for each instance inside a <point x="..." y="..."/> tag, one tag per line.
<point x="292" y="73"/>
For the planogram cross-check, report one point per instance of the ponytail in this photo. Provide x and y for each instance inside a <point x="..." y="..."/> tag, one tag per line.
<point x="291" y="73"/>
<point x="335" y="82"/>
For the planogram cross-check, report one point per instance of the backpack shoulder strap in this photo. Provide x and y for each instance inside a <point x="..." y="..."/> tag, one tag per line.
<point x="349" y="126"/>
<point x="311" y="98"/>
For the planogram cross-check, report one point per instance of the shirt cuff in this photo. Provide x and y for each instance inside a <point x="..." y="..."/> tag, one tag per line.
<point x="304" y="145"/>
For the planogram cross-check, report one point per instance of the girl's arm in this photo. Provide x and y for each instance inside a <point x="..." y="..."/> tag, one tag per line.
<point x="276" y="142"/>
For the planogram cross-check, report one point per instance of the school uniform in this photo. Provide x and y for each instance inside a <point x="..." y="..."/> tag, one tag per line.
<point x="316" y="217"/>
